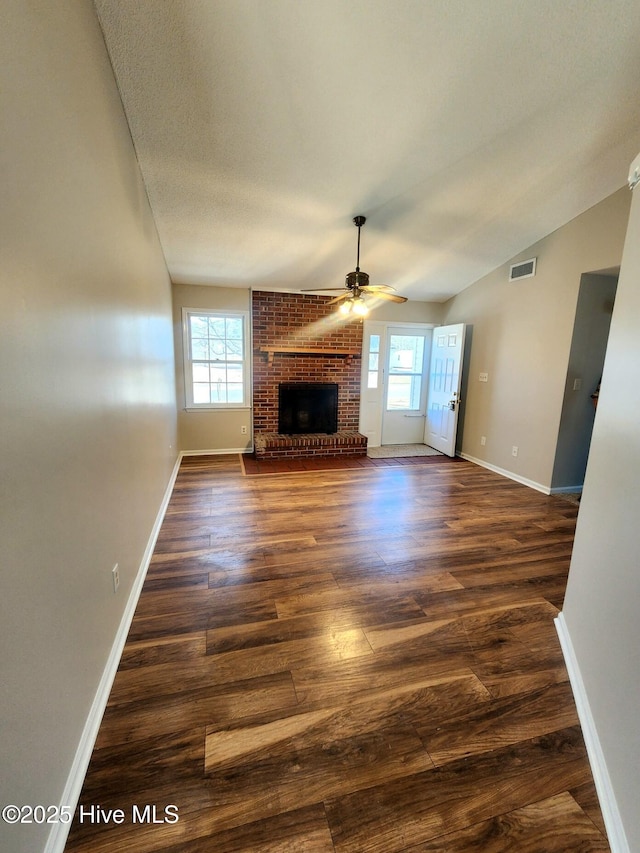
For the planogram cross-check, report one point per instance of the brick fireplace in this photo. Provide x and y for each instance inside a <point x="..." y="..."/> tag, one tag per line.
<point x="298" y="338"/>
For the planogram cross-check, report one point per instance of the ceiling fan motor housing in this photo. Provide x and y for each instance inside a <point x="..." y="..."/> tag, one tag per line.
<point x="356" y="279"/>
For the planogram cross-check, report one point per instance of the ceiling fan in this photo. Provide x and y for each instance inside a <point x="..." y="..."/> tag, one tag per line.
<point x="357" y="285"/>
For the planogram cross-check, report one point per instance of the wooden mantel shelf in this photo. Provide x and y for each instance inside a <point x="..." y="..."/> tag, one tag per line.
<point x="343" y="353"/>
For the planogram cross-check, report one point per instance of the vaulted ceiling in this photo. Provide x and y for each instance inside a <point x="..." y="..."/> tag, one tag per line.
<point x="463" y="130"/>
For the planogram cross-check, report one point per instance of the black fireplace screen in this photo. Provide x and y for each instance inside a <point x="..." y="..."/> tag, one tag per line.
<point x="306" y="407"/>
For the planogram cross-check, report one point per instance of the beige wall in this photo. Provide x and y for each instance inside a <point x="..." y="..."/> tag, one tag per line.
<point x="208" y="430"/>
<point x="521" y="336"/>
<point x="603" y="593"/>
<point x="409" y="312"/>
<point x="87" y="412"/>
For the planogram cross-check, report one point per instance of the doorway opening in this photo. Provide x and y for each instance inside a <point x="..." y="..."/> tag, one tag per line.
<point x="586" y="360"/>
<point x="411" y="378"/>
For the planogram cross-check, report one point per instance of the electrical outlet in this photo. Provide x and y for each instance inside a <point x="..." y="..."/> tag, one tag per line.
<point x="115" y="573"/>
<point x="483" y="377"/>
<point x="243" y="430"/>
<point x="483" y="440"/>
<point x="514" y="450"/>
<point x="577" y="384"/>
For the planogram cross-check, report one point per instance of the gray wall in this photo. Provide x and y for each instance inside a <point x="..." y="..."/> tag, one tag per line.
<point x="586" y="359"/>
<point x="87" y="412"/>
<point x="603" y="593"/>
<point x="521" y="336"/>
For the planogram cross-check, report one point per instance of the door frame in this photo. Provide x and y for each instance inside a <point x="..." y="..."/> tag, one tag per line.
<point x="372" y="400"/>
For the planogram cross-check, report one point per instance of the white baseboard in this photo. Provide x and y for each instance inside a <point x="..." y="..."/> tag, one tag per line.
<point x="225" y="452"/>
<point x="608" y="805"/>
<point x="566" y="490"/>
<point x="504" y="473"/>
<point x="525" y="482"/>
<point x="59" y="832"/>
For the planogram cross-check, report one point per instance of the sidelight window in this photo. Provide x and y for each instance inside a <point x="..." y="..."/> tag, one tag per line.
<point x="374" y="361"/>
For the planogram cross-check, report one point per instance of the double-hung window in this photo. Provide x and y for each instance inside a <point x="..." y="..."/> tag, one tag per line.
<point x="216" y="362"/>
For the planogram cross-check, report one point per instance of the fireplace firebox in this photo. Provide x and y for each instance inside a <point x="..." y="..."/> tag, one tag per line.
<point x="307" y="407"/>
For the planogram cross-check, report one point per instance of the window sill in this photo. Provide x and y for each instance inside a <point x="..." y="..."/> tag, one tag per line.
<point x="216" y="408"/>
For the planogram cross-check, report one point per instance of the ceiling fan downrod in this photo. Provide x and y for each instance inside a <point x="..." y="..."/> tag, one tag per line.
<point x="359" y="221"/>
<point x="355" y="280"/>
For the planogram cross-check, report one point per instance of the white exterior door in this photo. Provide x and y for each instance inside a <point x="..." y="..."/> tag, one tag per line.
<point x="445" y="376"/>
<point x="405" y="385"/>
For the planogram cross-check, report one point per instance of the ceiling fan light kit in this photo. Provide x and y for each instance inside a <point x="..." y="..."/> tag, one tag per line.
<point x="357" y="286"/>
<point x="355" y="306"/>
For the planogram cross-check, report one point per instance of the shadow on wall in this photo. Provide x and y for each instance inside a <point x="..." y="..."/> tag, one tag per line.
<point x="464" y="386"/>
<point x="586" y="360"/>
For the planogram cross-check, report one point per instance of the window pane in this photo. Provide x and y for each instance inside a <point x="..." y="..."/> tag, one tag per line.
<point x="219" y="393"/>
<point x="234" y="393"/>
<point x="406" y="353"/>
<point x="200" y="372"/>
<point x="200" y="393"/>
<point x="216" y="327"/>
<point x="399" y="392"/>
<point x="217" y="349"/>
<point x="234" y="350"/>
<point x="374" y="361"/>
<point x="199" y="349"/>
<point x="234" y="328"/>
<point x="404" y="392"/>
<point x="218" y="374"/>
<point x="234" y="373"/>
<point x="416" y="387"/>
<point x="199" y="327"/>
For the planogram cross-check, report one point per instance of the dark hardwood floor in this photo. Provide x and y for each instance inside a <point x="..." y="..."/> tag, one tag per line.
<point x="347" y="661"/>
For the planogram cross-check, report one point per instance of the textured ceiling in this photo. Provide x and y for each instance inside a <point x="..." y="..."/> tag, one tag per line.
<point x="463" y="130"/>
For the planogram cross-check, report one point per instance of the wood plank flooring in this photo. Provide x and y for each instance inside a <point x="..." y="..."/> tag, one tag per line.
<point x="347" y="661"/>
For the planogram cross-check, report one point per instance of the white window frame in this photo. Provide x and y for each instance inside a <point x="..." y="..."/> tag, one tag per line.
<point x="187" y="313"/>
<point x="415" y="405"/>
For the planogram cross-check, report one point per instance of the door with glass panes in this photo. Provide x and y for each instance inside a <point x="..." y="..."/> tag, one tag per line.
<point x="405" y="387"/>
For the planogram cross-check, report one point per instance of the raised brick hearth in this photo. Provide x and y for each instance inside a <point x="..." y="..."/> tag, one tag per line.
<point x="271" y="445"/>
<point x="298" y="338"/>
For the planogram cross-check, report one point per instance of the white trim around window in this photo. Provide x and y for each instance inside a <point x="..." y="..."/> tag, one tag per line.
<point x="216" y="359"/>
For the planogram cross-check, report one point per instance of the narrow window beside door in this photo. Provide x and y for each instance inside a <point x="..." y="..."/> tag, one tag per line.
<point x="374" y="361"/>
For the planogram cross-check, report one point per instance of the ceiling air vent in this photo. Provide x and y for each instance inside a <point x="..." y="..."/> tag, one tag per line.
<point x="524" y="269"/>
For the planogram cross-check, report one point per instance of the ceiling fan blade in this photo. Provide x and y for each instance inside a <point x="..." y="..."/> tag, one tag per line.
<point x="391" y="296"/>
<point x="344" y="295"/>
<point x="378" y="287"/>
